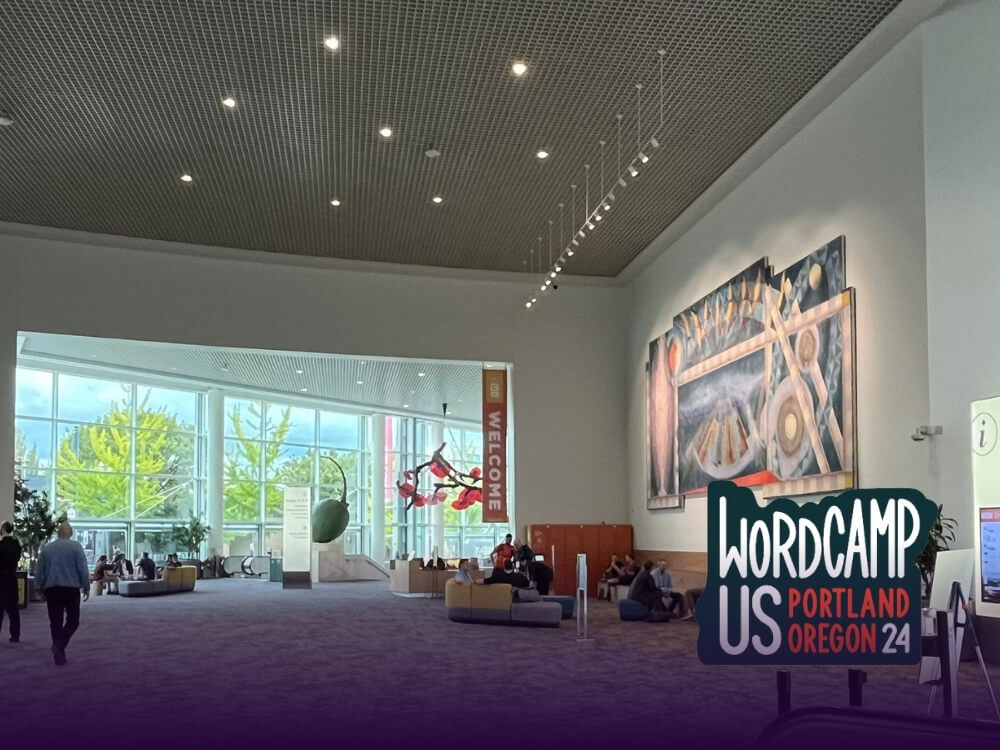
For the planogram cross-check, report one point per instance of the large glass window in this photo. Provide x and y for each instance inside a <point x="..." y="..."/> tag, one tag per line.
<point x="106" y="450"/>
<point x="271" y="446"/>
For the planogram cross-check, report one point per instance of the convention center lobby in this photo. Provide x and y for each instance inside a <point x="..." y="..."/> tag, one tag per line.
<point x="382" y="372"/>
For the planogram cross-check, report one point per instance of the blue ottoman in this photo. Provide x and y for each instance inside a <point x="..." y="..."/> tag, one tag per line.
<point x="629" y="609"/>
<point x="568" y="604"/>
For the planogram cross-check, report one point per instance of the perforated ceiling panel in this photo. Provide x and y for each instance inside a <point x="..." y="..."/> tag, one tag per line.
<point x="113" y="100"/>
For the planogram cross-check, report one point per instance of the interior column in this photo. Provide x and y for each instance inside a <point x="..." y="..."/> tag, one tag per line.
<point x="8" y="366"/>
<point x="437" y="511"/>
<point x="377" y="521"/>
<point x="215" y="423"/>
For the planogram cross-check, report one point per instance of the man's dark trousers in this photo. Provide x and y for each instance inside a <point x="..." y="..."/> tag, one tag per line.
<point x="63" y="601"/>
<point x="9" y="603"/>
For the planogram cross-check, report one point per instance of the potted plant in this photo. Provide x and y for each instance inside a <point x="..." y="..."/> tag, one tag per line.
<point x="190" y="537"/>
<point x="942" y="533"/>
<point x="34" y="524"/>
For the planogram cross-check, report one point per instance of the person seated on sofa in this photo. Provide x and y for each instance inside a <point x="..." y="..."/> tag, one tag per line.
<point x="517" y="580"/>
<point x="172" y="561"/>
<point x="123" y="566"/>
<point x="463" y="575"/>
<point x="542" y="576"/>
<point x="645" y="590"/>
<point x="610" y="578"/>
<point x="631" y="570"/>
<point x="147" y="568"/>
<point x="665" y="582"/>
<point x="502" y="553"/>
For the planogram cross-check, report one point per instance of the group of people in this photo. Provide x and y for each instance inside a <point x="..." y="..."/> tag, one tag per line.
<point x="107" y="572"/>
<point x="513" y="563"/>
<point x="62" y="578"/>
<point x="653" y="586"/>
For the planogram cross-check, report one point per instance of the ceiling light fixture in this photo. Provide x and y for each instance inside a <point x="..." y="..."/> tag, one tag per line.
<point x="643" y="158"/>
<point x="299" y="372"/>
<point x="553" y="274"/>
<point x="653" y="142"/>
<point x="527" y="304"/>
<point x="569" y="252"/>
<point x="607" y="206"/>
<point x="632" y="170"/>
<point x="385" y="132"/>
<point x="229" y="102"/>
<point x="335" y="202"/>
<point x="597" y="216"/>
<point x="558" y="268"/>
<point x="406" y="406"/>
<point x="590" y="226"/>
<point x="6" y="122"/>
<point x="332" y="42"/>
<point x="360" y="382"/>
<point x="421" y="374"/>
<point x="518" y="68"/>
<point x="542" y="154"/>
<point x="574" y="241"/>
<point x="432" y="153"/>
<point x="542" y="288"/>
<point x="186" y="178"/>
<point x="548" y="281"/>
<point x="437" y="199"/>
<point x="303" y="390"/>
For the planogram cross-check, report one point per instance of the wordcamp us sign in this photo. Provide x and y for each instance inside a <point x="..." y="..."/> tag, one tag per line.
<point x="825" y="583"/>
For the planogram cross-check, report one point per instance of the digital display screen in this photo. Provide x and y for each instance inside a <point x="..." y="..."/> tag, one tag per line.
<point x="989" y="543"/>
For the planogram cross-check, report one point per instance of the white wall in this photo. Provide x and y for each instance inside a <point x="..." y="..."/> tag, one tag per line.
<point x="962" y="156"/>
<point x="856" y="170"/>
<point x="568" y="391"/>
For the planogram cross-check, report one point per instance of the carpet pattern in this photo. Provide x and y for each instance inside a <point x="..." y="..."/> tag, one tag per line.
<point x="250" y="664"/>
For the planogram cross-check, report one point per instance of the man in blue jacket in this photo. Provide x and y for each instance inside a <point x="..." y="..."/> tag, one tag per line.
<point x="61" y="574"/>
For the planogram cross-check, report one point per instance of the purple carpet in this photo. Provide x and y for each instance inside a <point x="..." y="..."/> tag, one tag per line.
<point x="247" y="663"/>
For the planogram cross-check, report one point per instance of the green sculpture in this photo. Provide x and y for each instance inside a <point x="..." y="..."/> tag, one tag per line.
<point x="330" y="517"/>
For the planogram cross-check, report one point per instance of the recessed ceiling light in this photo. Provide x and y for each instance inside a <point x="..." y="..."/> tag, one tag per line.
<point x="303" y="390"/>
<point x="361" y="382"/>
<point x="6" y="122"/>
<point x="421" y="374"/>
<point x="406" y="406"/>
<point x="553" y="274"/>
<point x="386" y="132"/>
<point x="299" y="372"/>
<point x="229" y="102"/>
<point x="527" y="304"/>
<point x="448" y="412"/>
<point x="518" y="68"/>
<point x="542" y="288"/>
<point x="332" y="42"/>
<point x="542" y="154"/>
<point x="459" y="400"/>
<point x="93" y="356"/>
<point x="186" y="178"/>
<point x="432" y="153"/>
<point x="437" y="199"/>
<point x="335" y="202"/>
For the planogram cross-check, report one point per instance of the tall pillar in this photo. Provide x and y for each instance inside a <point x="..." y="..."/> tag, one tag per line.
<point x="377" y="520"/>
<point x="437" y="511"/>
<point x="215" y="424"/>
<point x="8" y="366"/>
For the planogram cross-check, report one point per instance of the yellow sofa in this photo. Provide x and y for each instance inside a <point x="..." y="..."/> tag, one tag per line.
<point x="493" y="603"/>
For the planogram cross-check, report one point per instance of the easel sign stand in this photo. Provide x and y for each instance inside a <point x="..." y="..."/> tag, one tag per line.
<point x="956" y="618"/>
<point x="581" y="600"/>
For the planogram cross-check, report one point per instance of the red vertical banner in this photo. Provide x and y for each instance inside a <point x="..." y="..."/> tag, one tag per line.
<point x="495" y="446"/>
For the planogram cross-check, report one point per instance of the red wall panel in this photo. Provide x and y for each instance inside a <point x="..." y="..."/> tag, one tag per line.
<point x="597" y="541"/>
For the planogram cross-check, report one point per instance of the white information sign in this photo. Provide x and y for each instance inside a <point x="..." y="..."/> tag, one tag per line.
<point x="986" y="495"/>
<point x="297" y="531"/>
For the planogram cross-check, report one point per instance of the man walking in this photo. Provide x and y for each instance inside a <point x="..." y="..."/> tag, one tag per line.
<point x="10" y="556"/>
<point x="61" y="574"/>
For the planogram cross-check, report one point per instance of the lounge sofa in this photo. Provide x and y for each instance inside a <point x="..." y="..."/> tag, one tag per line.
<point x="494" y="603"/>
<point x="174" y="581"/>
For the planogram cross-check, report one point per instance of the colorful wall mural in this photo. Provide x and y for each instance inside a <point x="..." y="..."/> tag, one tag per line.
<point x="755" y="383"/>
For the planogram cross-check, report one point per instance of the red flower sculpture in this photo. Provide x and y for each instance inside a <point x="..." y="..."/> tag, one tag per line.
<point x="451" y="479"/>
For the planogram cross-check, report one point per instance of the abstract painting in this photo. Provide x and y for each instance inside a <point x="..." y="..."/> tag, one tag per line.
<point x="755" y="383"/>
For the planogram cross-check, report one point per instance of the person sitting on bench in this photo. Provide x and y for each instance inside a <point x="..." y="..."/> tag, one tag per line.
<point x="645" y="590"/>
<point x="665" y="582"/>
